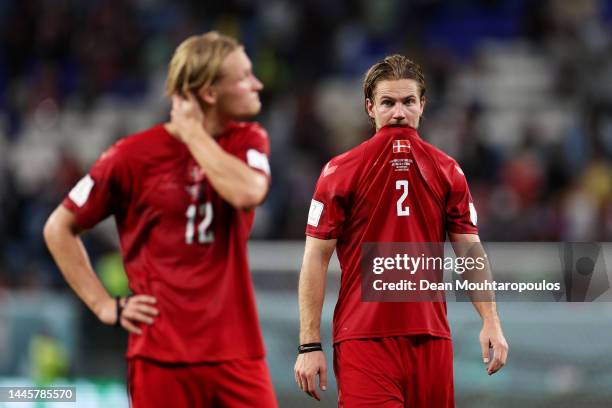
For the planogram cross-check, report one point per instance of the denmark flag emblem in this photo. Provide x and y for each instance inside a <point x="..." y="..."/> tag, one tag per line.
<point x="401" y="146"/>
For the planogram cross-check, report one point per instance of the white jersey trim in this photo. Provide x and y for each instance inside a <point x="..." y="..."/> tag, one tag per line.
<point x="473" y="214"/>
<point x="314" y="214"/>
<point x="258" y="160"/>
<point x="80" y="192"/>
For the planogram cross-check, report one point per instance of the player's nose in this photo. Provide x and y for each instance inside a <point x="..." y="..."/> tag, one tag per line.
<point x="399" y="112"/>
<point x="257" y="84"/>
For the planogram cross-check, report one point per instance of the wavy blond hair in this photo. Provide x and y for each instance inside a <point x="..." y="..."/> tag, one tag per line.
<point x="197" y="62"/>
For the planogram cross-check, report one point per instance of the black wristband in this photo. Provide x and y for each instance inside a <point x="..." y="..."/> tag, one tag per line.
<point x="119" y="310"/>
<point x="309" y="348"/>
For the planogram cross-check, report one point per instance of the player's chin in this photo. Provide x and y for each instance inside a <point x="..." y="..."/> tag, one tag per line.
<point x="252" y="109"/>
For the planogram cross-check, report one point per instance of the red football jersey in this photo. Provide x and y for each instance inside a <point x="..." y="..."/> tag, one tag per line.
<point x="180" y="242"/>
<point x="394" y="187"/>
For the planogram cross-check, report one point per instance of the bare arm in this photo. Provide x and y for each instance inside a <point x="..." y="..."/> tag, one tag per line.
<point x="238" y="184"/>
<point x="491" y="335"/>
<point x="61" y="234"/>
<point x="234" y="180"/>
<point x="311" y="290"/>
<point x="311" y="294"/>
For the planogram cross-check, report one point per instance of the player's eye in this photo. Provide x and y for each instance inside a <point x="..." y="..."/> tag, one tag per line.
<point x="387" y="102"/>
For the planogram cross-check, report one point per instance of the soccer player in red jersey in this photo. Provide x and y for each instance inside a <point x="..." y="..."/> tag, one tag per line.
<point x="182" y="194"/>
<point x="392" y="188"/>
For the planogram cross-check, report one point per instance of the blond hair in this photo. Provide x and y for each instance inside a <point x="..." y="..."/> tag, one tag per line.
<point x="197" y="62"/>
<point x="393" y="67"/>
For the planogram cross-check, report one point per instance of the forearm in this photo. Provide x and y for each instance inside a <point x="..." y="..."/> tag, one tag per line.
<point x="487" y="311"/>
<point x="468" y="245"/>
<point x="71" y="258"/>
<point x="311" y="291"/>
<point x="483" y="300"/>
<point x="311" y="297"/>
<point x="234" y="180"/>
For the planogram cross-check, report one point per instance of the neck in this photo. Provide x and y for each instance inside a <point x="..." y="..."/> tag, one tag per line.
<point x="214" y="124"/>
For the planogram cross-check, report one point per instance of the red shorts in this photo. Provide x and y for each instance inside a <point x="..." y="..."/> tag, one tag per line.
<point x="395" y="372"/>
<point x="233" y="384"/>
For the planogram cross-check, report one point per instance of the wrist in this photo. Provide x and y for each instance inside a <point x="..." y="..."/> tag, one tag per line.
<point x="99" y="305"/>
<point x="490" y="319"/>
<point x="104" y="309"/>
<point x="310" y="338"/>
<point x="309" y="348"/>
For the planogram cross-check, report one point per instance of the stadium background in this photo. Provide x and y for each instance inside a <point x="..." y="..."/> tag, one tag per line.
<point x="519" y="92"/>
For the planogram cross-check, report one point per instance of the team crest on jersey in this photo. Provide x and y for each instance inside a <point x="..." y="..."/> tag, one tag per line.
<point x="401" y="146"/>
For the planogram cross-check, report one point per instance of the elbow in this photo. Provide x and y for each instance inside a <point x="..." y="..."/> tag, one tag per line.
<point x="251" y="195"/>
<point x="57" y="226"/>
<point x="50" y="230"/>
<point x="248" y="199"/>
<point x="53" y="228"/>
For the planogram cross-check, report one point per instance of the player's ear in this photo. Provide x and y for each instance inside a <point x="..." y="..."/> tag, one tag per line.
<point x="369" y="107"/>
<point x="422" y="105"/>
<point x="208" y="94"/>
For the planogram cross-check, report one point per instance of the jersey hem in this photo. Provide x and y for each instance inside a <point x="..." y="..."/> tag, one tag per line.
<point x="220" y="359"/>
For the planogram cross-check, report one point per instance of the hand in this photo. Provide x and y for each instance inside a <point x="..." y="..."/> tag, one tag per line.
<point x="307" y="366"/>
<point x="136" y="309"/>
<point x="186" y="116"/>
<point x="491" y="336"/>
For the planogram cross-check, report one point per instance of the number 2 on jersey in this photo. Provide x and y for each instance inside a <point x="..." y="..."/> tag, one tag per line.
<point x="402" y="211"/>
<point x="204" y="235"/>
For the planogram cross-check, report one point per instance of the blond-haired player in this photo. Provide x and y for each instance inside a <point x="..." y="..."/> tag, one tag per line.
<point x="182" y="194"/>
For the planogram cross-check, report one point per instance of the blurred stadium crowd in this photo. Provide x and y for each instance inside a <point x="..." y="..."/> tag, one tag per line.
<point x="519" y="92"/>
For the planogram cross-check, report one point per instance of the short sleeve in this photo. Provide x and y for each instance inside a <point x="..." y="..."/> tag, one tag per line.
<point x="461" y="216"/>
<point x="99" y="193"/>
<point x="254" y="149"/>
<point x="329" y="204"/>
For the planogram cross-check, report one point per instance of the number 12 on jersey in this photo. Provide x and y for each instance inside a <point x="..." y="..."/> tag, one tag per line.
<point x="402" y="211"/>
<point x="205" y="236"/>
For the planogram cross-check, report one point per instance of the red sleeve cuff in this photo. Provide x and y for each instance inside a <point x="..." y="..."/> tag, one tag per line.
<point x="78" y="218"/>
<point x="321" y="235"/>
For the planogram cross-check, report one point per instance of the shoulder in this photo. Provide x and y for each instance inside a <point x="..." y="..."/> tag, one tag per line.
<point x="352" y="157"/>
<point x="445" y="163"/>
<point x="342" y="164"/>
<point x="435" y="153"/>
<point x="125" y="152"/>
<point x="135" y="142"/>
<point x="246" y="135"/>
<point x="144" y="138"/>
<point x="248" y="130"/>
